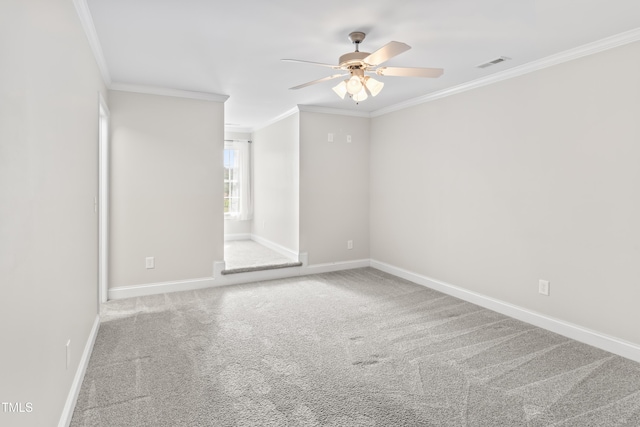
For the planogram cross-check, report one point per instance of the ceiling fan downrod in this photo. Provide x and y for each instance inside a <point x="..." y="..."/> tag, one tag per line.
<point x="356" y="38"/>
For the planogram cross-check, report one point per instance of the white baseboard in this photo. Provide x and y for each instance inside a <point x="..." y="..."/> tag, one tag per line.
<point x="218" y="268"/>
<point x="72" y="397"/>
<point x="237" y="236"/>
<point x="337" y="266"/>
<point x="293" y="255"/>
<point x="219" y="279"/>
<point x="570" y="330"/>
<point x="161" y="287"/>
<point x="206" y="282"/>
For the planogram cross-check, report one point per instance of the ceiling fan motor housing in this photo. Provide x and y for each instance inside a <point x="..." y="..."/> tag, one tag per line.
<point x="352" y="59"/>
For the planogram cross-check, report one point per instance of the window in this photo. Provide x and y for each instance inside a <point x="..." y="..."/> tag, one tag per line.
<point x="231" y="182"/>
<point x="237" y="180"/>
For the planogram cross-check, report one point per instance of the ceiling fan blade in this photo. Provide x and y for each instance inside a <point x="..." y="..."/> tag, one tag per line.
<point x="324" y="79"/>
<point x="335" y="67"/>
<point x="386" y="52"/>
<point x="409" y="72"/>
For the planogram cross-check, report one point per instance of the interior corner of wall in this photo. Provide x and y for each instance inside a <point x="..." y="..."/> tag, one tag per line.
<point x="303" y="257"/>
<point x="218" y="268"/>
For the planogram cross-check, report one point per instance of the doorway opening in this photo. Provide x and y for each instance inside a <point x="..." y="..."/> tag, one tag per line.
<point x="243" y="251"/>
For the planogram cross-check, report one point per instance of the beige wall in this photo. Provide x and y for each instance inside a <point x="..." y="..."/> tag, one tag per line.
<point x="276" y="182"/>
<point x="334" y="187"/>
<point x="237" y="227"/>
<point x="532" y="178"/>
<point x="166" y="187"/>
<point x="49" y="85"/>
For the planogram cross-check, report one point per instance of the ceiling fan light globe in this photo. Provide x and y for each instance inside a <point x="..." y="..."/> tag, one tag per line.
<point x="373" y="86"/>
<point x="341" y="89"/>
<point x="360" y="96"/>
<point x="354" y="85"/>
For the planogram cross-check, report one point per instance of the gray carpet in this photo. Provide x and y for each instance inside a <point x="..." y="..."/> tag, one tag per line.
<point x="352" y="348"/>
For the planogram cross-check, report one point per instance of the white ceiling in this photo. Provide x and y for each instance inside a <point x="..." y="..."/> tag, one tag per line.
<point x="234" y="47"/>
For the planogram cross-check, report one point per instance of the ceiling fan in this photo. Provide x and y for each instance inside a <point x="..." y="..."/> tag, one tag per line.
<point x="357" y="64"/>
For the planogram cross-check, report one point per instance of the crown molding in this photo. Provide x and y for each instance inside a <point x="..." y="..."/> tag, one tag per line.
<point x="153" y="90"/>
<point x="329" y="110"/>
<point x="237" y="129"/>
<point x="559" y="58"/>
<point x="312" y="109"/>
<point x="277" y="118"/>
<point x="90" y="30"/>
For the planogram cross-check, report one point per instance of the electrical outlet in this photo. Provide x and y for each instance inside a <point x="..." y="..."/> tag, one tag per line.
<point x="349" y="139"/>
<point x="543" y="287"/>
<point x="330" y="137"/>
<point x="349" y="244"/>
<point x="150" y="262"/>
<point x="68" y="353"/>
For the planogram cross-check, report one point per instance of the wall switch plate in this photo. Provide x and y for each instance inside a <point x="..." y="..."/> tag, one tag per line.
<point x="543" y="287"/>
<point x="349" y="244"/>
<point x="330" y="137"/>
<point x="150" y="262"/>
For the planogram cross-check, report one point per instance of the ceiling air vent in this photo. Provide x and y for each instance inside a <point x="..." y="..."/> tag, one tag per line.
<point x="493" y="62"/>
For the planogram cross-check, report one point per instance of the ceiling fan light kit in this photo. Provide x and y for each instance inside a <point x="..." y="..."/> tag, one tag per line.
<point x="357" y="63"/>
<point x="341" y="89"/>
<point x="360" y="96"/>
<point x="358" y="90"/>
<point x="354" y="83"/>
<point x="373" y="86"/>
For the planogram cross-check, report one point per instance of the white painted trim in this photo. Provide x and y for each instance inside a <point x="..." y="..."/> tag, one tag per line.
<point x="568" y="55"/>
<point x="208" y="282"/>
<point x="301" y="108"/>
<point x="276" y="119"/>
<point x="237" y="129"/>
<point x="570" y="330"/>
<point x="90" y="30"/>
<point x="220" y="279"/>
<point x="237" y="236"/>
<point x="303" y="257"/>
<point x="72" y="397"/>
<point x="103" y="201"/>
<point x="337" y="266"/>
<point x="160" y="288"/>
<point x="103" y="104"/>
<point x="218" y="268"/>
<point x="293" y="255"/>
<point x="161" y="91"/>
<point x="328" y="110"/>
